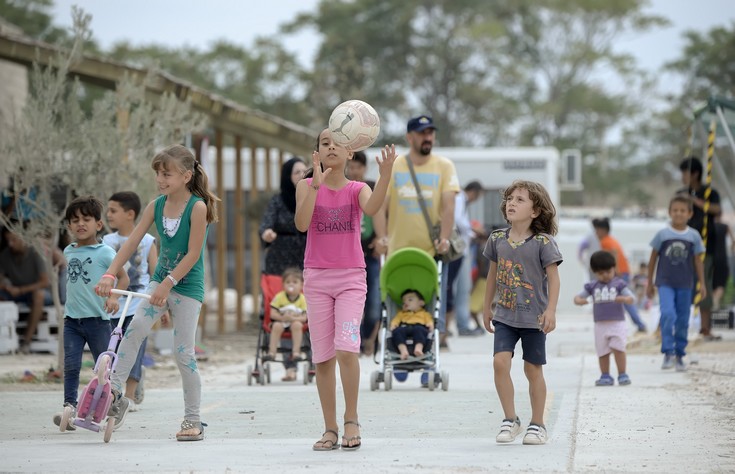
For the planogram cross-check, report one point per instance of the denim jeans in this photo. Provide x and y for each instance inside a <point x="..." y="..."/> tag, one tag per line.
<point x="462" y="290"/>
<point x="372" y="300"/>
<point x="675" y="307"/>
<point x="77" y="332"/>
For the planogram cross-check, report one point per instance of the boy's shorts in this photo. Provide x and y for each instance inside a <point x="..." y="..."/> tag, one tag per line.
<point x="533" y="342"/>
<point x="610" y="335"/>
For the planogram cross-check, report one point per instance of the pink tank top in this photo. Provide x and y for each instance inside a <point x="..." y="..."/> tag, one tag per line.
<point x="333" y="238"/>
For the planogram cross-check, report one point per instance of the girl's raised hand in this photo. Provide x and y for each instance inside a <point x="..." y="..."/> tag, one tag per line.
<point x="319" y="176"/>
<point x="385" y="166"/>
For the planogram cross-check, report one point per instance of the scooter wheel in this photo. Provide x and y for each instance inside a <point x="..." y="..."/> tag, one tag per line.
<point x="109" y="427"/>
<point x="65" y="418"/>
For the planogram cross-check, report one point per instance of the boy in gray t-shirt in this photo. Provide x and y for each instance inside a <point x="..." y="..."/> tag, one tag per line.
<point x="676" y="257"/>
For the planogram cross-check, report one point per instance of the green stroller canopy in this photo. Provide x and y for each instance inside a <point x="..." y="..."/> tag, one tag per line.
<point x="409" y="268"/>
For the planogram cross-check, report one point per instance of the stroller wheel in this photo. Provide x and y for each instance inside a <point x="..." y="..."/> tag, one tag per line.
<point x="261" y="377"/>
<point x="268" y="373"/>
<point x="374" y="383"/>
<point x="305" y="373"/>
<point x="432" y="380"/>
<point x="388" y="380"/>
<point x="445" y="381"/>
<point x="249" y="370"/>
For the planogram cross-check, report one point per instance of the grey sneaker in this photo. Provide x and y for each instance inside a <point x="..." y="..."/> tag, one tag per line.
<point x="70" y="425"/>
<point x="509" y="429"/>
<point x="668" y="361"/>
<point x="140" y="389"/>
<point x="118" y="409"/>
<point x="680" y="364"/>
<point x="535" y="434"/>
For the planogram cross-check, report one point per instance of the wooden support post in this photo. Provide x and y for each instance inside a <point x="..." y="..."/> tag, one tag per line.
<point x="239" y="234"/>
<point x="268" y="169"/>
<point x="221" y="234"/>
<point x="254" y="237"/>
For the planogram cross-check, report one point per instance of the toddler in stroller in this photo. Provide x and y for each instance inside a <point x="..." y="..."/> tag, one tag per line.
<point x="284" y="329"/>
<point x="411" y="323"/>
<point x="409" y="274"/>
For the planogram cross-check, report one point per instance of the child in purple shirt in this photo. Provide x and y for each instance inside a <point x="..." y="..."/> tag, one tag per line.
<point x="609" y="295"/>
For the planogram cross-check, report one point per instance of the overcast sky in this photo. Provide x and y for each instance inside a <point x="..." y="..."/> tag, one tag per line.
<point x="180" y="22"/>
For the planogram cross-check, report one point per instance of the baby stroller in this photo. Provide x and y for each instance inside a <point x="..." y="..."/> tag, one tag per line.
<point x="408" y="268"/>
<point x="270" y="285"/>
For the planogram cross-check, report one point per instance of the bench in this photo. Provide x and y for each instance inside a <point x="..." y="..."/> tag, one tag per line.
<point x="46" y="339"/>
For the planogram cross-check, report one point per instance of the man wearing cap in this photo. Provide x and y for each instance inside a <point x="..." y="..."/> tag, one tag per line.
<point x="401" y="223"/>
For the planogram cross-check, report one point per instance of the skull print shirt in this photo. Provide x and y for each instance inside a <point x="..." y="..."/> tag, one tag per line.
<point x="85" y="267"/>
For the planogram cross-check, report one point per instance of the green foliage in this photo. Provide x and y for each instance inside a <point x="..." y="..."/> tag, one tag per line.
<point x="56" y="145"/>
<point x="33" y="17"/>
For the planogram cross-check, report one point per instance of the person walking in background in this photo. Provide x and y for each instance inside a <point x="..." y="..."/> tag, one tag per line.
<point x="691" y="177"/>
<point x="524" y="260"/>
<point x="329" y="205"/>
<point x="182" y="214"/>
<point x="589" y="245"/>
<point x="460" y="270"/>
<point x="86" y="316"/>
<point x="721" y="273"/>
<point x="401" y="222"/>
<point x="610" y="244"/>
<point x="676" y="259"/>
<point x="284" y="243"/>
<point x="356" y="169"/>
<point x="609" y="293"/>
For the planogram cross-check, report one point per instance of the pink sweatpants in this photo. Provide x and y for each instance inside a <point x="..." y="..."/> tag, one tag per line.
<point x="335" y="299"/>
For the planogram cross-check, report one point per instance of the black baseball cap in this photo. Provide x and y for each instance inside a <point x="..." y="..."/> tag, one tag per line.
<point x="420" y="123"/>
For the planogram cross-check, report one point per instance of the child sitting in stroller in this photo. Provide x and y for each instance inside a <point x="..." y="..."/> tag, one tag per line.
<point x="413" y="322"/>
<point x="288" y="311"/>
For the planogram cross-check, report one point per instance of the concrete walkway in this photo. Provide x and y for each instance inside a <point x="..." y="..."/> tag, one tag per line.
<point x="660" y="423"/>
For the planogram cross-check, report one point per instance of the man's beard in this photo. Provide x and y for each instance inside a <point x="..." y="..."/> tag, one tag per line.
<point x="425" y="148"/>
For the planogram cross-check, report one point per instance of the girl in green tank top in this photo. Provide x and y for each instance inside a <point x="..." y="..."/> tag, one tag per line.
<point x="182" y="215"/>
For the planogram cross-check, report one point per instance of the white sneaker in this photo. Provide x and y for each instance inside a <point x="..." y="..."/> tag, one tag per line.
<point x="535" y="434"/>
<point x="509" y="429"/>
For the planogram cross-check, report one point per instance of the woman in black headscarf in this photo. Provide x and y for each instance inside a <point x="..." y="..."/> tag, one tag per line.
<point x="285" y="245"/>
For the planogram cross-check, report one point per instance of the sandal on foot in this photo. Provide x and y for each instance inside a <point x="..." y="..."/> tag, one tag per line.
<point x="346" y="441"/>
<point x="191" y="425"/>
<point x="324" y="446"/>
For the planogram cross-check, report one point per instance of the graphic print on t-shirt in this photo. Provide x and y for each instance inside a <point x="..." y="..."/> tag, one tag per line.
<point x="677" y="252"/>
<point x="605" y="294"/>
<point x="76" y="270"/>
<point x="334" y="220"/>
<point x="511" y="284"/>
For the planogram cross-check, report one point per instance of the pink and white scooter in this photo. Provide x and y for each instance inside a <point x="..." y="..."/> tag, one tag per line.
<point x="97" y="395"/>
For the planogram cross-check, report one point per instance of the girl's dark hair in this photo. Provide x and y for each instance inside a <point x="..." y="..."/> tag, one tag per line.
<point x="601" y="261"/>
<point x="88" y="206"/>
<point x="128" y="200"/>
<point x="183" y="159"/>
<point x="545" y="222"/>
<point x="288" y="190"/>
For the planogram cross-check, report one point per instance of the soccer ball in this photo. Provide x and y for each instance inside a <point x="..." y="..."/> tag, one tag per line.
<point x="354" y="124"/>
